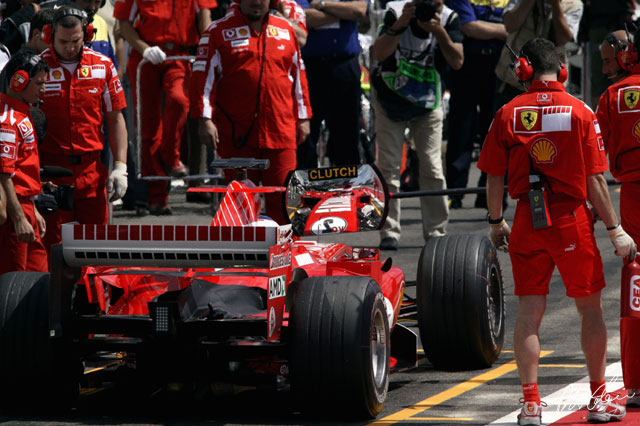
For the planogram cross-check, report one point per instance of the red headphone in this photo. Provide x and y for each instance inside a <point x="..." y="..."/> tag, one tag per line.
<point x="20" y="78"/>
<point x="87" y="28"/>
<point x="524" y="70"/>
<point x="626" y="55"/>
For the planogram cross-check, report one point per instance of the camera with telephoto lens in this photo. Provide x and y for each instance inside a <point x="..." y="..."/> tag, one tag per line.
<point x="60" y="198"/>
<point x="425" y="10"/>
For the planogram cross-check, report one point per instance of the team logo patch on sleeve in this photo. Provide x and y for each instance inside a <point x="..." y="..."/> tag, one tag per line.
<point x="7" y="136"/>
<point x="628" y="99"/>
<point x="8" y="144"/>
<point x="117" y="86"/>
<point x="542" y="119"/>
<point x="26" y="128"/>
<point x="543" y="151"/>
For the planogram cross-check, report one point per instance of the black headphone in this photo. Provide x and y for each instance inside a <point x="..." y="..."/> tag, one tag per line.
<point x="87" y="28"/>
<point x="21" y="66"/>
<point x="625" y="53"/>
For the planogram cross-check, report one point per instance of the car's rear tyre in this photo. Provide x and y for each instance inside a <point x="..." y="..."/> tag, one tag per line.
<point x="35" y="371"/>
<point x="340" y="346"/>
<point x="460" y="301"/>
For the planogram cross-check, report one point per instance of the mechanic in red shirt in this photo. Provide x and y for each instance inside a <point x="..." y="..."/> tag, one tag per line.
<point x="20" y="236"/>
<point x="250" y="92"/>
<point x="163" y="28"/>
<point x="619" y="117"/>
<point x="550" y="143"/>
<point x="82" y="91"/>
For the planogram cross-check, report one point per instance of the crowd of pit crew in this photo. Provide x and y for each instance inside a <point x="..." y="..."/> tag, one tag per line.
<point x="271" y="85"/>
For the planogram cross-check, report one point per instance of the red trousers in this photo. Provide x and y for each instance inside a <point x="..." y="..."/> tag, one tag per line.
<point x="90" y="204"/>
<point x="18" y="256"/>
<point x="630" y="327"/>
<point x="281" y="162"/>
<point x="163" y="84"/>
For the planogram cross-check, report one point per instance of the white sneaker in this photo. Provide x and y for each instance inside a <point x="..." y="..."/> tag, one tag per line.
<point x="531" y="413"/>
<point x="603" y="410"/>
<point x="633" y="398"/>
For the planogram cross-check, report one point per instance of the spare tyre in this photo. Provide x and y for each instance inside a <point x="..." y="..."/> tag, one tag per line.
<point x="460" y="301"/>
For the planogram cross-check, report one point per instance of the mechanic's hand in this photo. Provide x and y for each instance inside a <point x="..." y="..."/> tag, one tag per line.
<point x="408" y="13"/>
<point x="208" y="132"/>
<point x="42" y="224"/>
<point x="117" y="182"/>
<point x="24" y="231"/>
<point x="154" y="54"/>
<point x="622" y="242"/>
<point x="499" y="235"/>
<point x="303" y="129"/>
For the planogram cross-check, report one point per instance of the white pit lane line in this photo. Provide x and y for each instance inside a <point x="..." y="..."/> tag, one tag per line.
<point x="569" y="399"/>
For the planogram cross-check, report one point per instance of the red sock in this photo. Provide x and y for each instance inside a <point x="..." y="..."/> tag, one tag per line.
<point x="530" y="392"/>
<point x="598" y="389"/>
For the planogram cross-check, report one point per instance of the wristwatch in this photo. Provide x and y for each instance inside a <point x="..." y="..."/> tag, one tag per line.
<point x="321" y="5"/>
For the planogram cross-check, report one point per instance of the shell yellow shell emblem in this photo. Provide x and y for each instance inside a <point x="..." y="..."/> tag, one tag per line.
<point x="543" y="151"/>
<point x="631" y="98"/>
<point x="528" y="117"/>
<point x="636" y="130"/>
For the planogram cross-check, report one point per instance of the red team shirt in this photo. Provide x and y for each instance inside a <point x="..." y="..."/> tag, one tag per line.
<point x="554" y="129"/>
<point x="230" y="55"/>
<point x="619" y="116"/>
<point x="18" y="147"/>
<point x="164" y="21"/>
<point x="73" y="103"/>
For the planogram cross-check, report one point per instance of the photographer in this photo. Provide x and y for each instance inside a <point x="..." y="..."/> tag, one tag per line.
<point x="417" y="41"/>
<point x="20" y="236"/>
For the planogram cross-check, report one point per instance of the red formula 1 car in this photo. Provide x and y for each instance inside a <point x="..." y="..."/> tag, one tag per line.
<point x="247" y="300"/>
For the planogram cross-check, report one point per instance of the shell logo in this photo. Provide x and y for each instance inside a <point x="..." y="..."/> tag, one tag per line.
<point x="57" y="74"/>
<point x="636" y="130"/>
<point x="543" y="151"/>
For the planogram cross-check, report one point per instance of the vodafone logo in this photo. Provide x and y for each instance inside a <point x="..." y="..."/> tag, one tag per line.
<point x="634" y="293"/>
<point x="8" y="151"/>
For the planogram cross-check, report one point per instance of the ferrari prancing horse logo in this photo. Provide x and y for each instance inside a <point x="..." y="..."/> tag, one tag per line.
<point x="528" y="117"/>
<point x="84" y="71"/>
<point x="631" y="98"/>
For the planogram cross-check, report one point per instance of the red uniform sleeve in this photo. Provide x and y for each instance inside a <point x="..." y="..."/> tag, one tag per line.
<point x="602" y="112"/>
<point x="207" y="4"/>
<point x="8" y="149"/>
<point x="122" y="9"/>
<point x="300" y="84"/>
<point x="113" y="97"/>
<point x="494" y="157"/>
<point x="204" y="77"/>
<point x="595" y="159"/>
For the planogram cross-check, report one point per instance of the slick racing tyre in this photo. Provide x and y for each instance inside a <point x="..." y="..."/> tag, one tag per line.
<point x="35" y="373"/>
<point x="340" y="346"/>
<point x="460" y="301"/>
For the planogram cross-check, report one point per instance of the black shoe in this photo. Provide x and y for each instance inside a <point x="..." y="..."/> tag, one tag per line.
<point x="198" y="197"/>
<point x="389" y="243"/>
<point x="455" y="203"/>
<point x="160" y="210"/>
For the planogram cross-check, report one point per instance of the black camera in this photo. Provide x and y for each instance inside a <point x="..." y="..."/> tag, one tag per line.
<point x="60" y="198"/>
<point x="425" y="10"/>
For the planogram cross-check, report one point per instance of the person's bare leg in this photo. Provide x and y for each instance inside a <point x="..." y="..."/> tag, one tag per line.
<point x="593" y="335"/>
<point x="526" y="342"/>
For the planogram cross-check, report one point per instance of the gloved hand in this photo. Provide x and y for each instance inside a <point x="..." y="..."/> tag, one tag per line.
<point x="154" y="54"/>
<point x="117" y="182"/>
<point x="622" y="242"/>
<point x="499" y="235"/>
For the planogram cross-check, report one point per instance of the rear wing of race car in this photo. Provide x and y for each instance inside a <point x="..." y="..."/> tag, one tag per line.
<point x="181" y="246"/>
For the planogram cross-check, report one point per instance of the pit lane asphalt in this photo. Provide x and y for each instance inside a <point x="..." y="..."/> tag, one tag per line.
<point x="420" y="396"/>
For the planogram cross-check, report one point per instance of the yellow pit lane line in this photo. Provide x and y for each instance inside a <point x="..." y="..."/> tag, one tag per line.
<point x="409" y="413"/>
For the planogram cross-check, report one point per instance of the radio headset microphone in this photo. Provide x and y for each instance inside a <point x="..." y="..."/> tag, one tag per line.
<point x="515" y="56"/>
<point x="49" y="172"/>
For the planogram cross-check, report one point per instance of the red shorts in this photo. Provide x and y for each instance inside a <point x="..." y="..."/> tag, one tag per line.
<point x="568" y="244"/>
